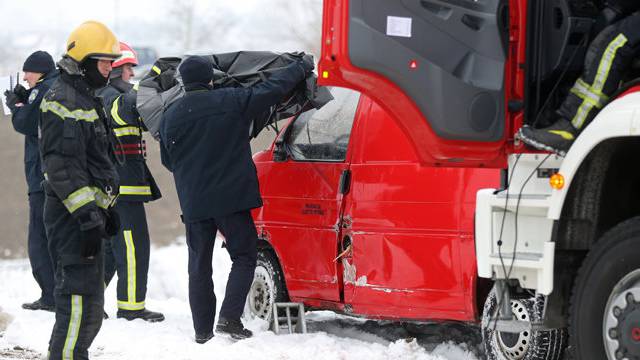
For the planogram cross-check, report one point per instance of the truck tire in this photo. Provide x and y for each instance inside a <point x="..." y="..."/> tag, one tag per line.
<point x="604" y="317"/>
<point x="268" y="287"/>
<point x="527" y="345"/>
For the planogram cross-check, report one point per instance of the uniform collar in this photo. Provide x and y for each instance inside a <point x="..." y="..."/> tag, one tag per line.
<point x="197" y="87"/>
<point x="120" y="85"/>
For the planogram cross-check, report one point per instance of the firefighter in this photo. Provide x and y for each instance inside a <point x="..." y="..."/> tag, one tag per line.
<point x="39" y="73"/>
<point x="81" y="184"/>
<point x="608" y="59"/>
<point x="205" y="143"/>
<point x="128" y="251"/>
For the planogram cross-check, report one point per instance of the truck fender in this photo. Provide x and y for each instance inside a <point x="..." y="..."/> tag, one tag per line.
<point x="621" y="118"/>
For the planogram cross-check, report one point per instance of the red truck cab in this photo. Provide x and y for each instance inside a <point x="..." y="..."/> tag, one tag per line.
<point x="387" y="230"/>
<point x="353" y="222"/>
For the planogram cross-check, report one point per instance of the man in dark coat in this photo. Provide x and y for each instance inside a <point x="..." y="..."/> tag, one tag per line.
<point x="205" y="139"/>
<point x="39" y="72"/>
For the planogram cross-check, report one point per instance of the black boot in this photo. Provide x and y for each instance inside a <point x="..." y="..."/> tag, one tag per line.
<point x="557" y="138"/>
<point x="143" y="314"/>
<point x="39" y="305"/>
<point x="234" y="328"/>
<point x="203" y="338"/>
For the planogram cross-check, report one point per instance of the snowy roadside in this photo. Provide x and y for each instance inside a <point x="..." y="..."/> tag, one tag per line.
<point x="331" y="336"/>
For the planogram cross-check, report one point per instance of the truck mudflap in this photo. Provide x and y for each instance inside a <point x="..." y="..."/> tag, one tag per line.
<point x="513" y="230"/>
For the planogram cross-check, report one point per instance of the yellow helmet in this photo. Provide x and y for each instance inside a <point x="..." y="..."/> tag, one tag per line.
<point x="92" y="39"/>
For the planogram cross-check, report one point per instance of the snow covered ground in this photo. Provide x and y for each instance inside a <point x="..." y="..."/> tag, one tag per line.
<point x="331" y="336"/>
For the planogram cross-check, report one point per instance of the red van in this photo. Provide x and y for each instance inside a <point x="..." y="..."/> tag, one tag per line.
<point x="352" y="222"/>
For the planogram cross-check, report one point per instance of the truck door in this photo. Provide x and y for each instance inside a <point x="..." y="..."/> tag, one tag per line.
<point x="302" y="197"/>
<point x="444" y="69"/>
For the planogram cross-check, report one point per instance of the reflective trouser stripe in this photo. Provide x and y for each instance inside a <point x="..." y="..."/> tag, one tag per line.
<point x="126" y="305"/>
<point x="75" y="321"/>
<point x="601" y="78"/>
<point x="583" y="91"/>
<point x="135" y="190"/>
<point x="131" y="303"/>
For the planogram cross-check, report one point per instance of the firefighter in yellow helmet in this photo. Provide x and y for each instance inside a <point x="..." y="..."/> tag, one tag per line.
<point x="81" y="183"/>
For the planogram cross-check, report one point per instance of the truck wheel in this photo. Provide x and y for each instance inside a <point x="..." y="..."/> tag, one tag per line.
<point x="527" y="345"/>
<point x="268" y="287"/>
<point x="605" y="304"/>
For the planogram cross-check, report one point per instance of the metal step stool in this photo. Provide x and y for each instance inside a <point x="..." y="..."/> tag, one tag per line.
<point x="279" y="322"/>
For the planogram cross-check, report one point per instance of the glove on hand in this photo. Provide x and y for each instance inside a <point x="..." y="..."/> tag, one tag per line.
<point x="11" y="100"/>
<point x="21" y="92"/>
<point x="92" y="241"/>
<point x="307" y="64"/>
<point x="112" y="223"/>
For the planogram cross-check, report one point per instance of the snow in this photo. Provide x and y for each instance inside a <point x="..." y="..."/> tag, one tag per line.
<point x="331" y="336"/>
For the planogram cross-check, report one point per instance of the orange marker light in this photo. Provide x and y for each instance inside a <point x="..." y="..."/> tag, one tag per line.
<point x="557" y="181"/>
<point x="325" y="74"/>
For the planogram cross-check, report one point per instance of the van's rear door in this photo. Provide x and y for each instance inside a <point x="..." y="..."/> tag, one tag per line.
<point x="441" y="68"/>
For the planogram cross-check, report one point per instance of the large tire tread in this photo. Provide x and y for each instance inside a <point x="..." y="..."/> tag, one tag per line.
<point x="624" y="232"/>
<point x="544" y="345"/>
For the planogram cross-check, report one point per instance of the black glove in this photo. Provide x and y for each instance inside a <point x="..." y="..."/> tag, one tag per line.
<point x="11" y="100"/>
<point x="307" y="64"/>
<point x="112" y="223"/>
<point x="21" y="92"/>
<point x="92" y="241"/>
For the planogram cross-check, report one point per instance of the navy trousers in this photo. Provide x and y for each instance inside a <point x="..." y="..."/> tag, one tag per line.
<point x="79" y="290"/>
<point x="39" y="257"/>
<point x="241" y="242"/>
<point x="128" y="254"/>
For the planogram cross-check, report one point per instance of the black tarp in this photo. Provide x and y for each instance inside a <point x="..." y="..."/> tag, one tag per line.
<point x="163" y="85"/>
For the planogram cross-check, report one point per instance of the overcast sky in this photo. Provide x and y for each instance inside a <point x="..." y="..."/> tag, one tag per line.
<point x="219" y="25"/>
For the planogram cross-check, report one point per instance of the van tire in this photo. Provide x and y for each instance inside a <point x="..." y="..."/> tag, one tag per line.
<point x="613" y="258"/>
<point x="267" y="288"/>
<point x="535" y="345"/>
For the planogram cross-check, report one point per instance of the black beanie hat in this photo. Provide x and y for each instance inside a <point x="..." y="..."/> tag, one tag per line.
<point x="39" y="62"/>
<point x="196" y="70"/>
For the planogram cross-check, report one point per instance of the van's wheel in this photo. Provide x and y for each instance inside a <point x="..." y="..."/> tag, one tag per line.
<point x="605" y="304"/>
<point x="268" y="287"/>
<point x="527" y="345"/>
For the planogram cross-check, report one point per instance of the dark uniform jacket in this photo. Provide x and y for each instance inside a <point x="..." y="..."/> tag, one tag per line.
<point x="25" y="120"/>
<point x="136" y="182"/>
<point x="75" y="149"/>
<point x="205" y="143"/>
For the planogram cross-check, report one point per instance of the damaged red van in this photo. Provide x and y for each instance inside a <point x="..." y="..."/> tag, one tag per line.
<point x="352" y="222"/>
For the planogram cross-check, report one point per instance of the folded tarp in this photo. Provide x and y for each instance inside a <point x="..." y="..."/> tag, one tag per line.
<point x="163" y="85"/>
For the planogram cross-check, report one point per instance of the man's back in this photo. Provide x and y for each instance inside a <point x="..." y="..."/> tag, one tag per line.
<point x="206" y="142"/>
<point x="207" y="137"/>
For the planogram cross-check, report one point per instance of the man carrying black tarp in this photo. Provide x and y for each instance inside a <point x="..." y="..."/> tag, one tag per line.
<point x="205" y="138"/>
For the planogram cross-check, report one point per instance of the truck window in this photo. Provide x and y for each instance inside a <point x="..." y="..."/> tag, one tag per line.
<point x="323" y="135"/>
